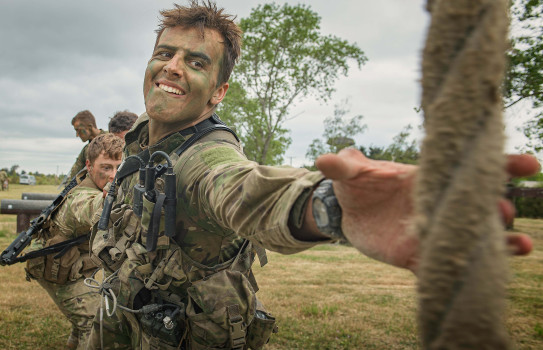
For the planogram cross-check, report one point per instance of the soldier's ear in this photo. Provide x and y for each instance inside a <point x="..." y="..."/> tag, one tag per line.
<point x="88" y="164"/>
<point x="219" y="94"/>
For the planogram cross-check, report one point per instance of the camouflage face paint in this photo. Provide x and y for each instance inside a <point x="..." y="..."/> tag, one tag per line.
<point x="103" y="170"/>
<point x="82" y="131"/>
<point x="180" y="84"/>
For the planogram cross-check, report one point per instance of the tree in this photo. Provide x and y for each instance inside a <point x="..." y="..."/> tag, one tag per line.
<point x="241" y="112"/>
<point x="375" y="152"/>
<point x="13" y="169"/>
<point x="285" y="59"/>
<point x="338" y="132"/>
<point x="524" y="79"/>
<point x="401" y="150"/>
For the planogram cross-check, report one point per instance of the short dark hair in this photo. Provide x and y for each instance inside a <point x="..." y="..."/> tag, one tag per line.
<point x="122" y="121"/>
<point x="84" y="117"/>
<point x="111" y="145"/>
<point x="207" y="16"/>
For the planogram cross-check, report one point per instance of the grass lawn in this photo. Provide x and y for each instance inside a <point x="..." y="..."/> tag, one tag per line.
<point x="329" y="297"/>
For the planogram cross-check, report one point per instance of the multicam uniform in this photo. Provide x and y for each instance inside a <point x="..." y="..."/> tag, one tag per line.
<point x="3" y="180"/>
<point x="63" y="278"/>
<point x="81" y="158"/>
<point x="222" y="200"/>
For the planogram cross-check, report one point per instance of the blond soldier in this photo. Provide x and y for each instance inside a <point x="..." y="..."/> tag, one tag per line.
<point x="63" y="278"/>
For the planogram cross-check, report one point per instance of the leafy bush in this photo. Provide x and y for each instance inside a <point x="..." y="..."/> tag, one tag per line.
<point x="529" y="207"/>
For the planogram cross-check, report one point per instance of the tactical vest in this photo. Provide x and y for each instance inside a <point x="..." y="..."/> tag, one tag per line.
<point x="68" y="265"/>
<point x="173" y="298"/>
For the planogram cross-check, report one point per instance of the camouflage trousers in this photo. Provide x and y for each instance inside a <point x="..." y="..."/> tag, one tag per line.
<point x="113" y="332"/>
<point x="78" y="303"/>
<point x="122" y="331"/>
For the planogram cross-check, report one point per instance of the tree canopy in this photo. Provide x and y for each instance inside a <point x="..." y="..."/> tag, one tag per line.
<point x="525" y="75"/>
<point x="524" y="79"/>
<point x="285" y="59"/>
<point x="338" y="132"/>
<point x="401" y="150"/>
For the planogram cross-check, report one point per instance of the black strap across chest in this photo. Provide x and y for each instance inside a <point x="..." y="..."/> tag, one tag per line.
<point x="198" y="131"/>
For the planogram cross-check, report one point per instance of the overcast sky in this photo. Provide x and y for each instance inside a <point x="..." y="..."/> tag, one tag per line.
<point x="60" y="57"/>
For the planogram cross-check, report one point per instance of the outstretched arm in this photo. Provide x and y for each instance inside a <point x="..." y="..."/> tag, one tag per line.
<point x="377" y="205"/>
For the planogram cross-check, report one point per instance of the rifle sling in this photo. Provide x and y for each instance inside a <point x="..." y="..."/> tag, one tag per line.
<point x="10" y="255"/>
<point x="61" y="247"/>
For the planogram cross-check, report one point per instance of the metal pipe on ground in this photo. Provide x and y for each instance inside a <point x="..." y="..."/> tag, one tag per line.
<point x="38" y="196"/>
<point x="25" y="209"/>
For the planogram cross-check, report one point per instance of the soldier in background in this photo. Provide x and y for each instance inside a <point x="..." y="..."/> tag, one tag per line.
<point x="63" y="277"/>
<point x="85" y="128"/>
<point x="4" y="182"/>
<point x="121" y="123"/>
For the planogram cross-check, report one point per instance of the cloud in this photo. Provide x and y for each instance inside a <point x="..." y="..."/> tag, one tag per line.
<point x="63" y="56"/>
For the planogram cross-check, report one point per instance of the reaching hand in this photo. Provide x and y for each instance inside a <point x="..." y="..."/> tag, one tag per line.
<point x="377" y="204"/>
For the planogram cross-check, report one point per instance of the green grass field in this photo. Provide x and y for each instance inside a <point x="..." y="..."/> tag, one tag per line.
<point x="329" y="297"/>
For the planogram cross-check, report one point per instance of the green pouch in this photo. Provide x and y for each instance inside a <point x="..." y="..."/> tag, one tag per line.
<point x="58" y="270"/>
<point x="35" y="267"/>
<point x="109" y="246"/>
<point x="220" y="307"/>
<point x="261" y="329"/>
<point x="131" y="275"/>
<point x="146" y="218"/>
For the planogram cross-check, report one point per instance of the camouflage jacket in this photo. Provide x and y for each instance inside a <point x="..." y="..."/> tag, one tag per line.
<point x="223" y="197"/>
<point x="79" y="211"/>
<point x="74" y="217"/>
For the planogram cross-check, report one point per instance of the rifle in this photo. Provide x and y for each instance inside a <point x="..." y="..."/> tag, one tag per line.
<point x="10" y="255"/>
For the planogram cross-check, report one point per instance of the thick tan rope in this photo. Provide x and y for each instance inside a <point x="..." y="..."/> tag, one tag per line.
<point x="463" y="261"/>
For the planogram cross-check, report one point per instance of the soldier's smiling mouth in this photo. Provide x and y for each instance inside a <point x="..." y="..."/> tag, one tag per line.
<point x="170" y="89"/>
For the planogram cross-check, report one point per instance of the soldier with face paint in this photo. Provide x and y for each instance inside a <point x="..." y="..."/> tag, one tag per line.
<point x="85" y="128"/>
<point x="196" y="290"/>
<point x="63" y="277"/>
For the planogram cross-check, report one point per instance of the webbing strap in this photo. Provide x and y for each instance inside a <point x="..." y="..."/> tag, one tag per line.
<point x="237" y="328"/>
<point x="61" y="247"/>
<point x="201" y="134"/>
<point x="154" y="223"/>
<point x="198" y="131"/>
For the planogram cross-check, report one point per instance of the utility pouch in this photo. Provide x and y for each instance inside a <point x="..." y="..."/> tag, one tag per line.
<point x="57" y="270"/>
<point x="152" y="223"/>
<point x="261" y="329"/>
<point x="109" y="246"/>
<point x="35" y="268"/>
<point x="83" y="267"/>
<point x="132" y="274"/>
<point x="220" y="307"/>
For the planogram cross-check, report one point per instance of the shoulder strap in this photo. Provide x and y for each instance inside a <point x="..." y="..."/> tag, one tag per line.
<point x="76" y="180"/>
<point x="201" y="129"/>
<point x="198" y="131"/>
<point x="132" y="164"/>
